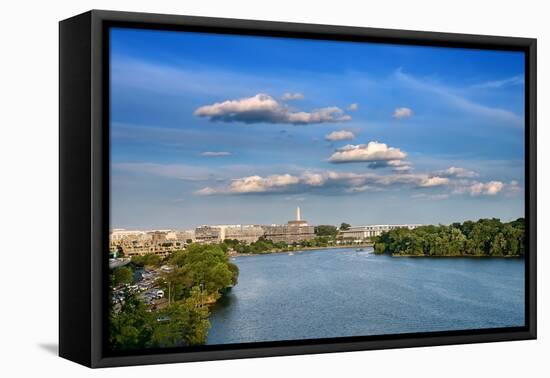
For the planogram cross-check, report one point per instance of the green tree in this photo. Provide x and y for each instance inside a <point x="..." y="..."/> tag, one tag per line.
<point x="345" y="226"/>
<point x="183" y="323"/>
<point x="326" y="230"/>
<point x="122" y="275"/>
<point x="131" y="326"/>
<point x="498" y="246"/>
<point x="149" y="259"/>
<point x="485" y="237"/>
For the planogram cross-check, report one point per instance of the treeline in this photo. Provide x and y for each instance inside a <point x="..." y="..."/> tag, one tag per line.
<point x="263" y="245"/>
<point x="197" y="277"/>
<point x="486" y="237"/>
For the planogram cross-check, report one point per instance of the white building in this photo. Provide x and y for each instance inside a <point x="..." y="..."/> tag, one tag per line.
<point x="365" y="232"/>
<point x="119" y="234"/>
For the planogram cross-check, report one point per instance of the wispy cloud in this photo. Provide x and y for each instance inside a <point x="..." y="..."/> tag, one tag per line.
<point x="496" y="84"/>
<point x="431" y="197"/>
<point x="353" y="107"/>
<point x="215" y="153"/>
<point x="459" y="101"/>
<point x="457" y="172"/>
<point x="292" y="96"/>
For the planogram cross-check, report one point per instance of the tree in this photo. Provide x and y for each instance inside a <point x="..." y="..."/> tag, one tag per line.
<point x="149" y="259"/>
<point x="122" y="275"/>
<point x="345" y="226"/>
<point x="326" y="230"/>
<point x="183" y="323"/>
<point x="198" y="276"/>
<point x="203" y="264"/>
<point x="485" y="237"/>
<point x="379" y="248"/>
<point x="130" y="327"/>
<point x="498" y="246"/>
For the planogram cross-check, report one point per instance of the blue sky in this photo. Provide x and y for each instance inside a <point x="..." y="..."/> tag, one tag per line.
<point x="214" y="129"/>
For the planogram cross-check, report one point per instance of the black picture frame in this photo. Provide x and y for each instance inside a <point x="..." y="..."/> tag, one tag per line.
<point x="84" y="186"/>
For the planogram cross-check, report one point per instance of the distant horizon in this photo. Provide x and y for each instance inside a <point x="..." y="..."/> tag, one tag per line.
<point x="337" y="224"/>
<point x="228" y="129"/>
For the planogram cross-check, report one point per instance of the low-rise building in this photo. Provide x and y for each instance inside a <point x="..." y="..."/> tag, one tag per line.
<point x="294" y="231"/>
<point x="185" y="235"/>
<point x="208" y="234"/>
<point x="367" y="232"/>
<point x="243" y="233"/>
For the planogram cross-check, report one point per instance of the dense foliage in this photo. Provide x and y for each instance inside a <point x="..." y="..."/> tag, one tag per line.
<point x="486" y="237"/>
<point x="204" y="266"/>
<point x="263" y="245"/>
<point x="122" y="275"/>
<point x="149" y="259"/>
<point x="181" y="323"/>
<point x="195" y="278"/>
<point x="326" y="230"/>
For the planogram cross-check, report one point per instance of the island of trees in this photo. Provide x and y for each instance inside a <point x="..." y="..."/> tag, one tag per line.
<point x="486" y="237"/>
<point x="196" y="278"/>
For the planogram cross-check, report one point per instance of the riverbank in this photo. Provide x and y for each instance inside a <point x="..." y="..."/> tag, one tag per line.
<point x="304" y="249"/>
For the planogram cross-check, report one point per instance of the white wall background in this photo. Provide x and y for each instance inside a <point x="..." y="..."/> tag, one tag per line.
<point x="29" y="185"/>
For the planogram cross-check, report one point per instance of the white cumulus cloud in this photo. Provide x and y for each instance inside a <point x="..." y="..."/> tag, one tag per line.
<point x="339" y="135"/>
<point x="264" y="108"/>
<point x="324" y="181"/>
<point x="353" y="107"/>
<point x="476" y="188"/>
<point x="371" y="152"/>
<point x="490" y="188"/>
<point x="400" y="113"/>
<point x="254" y="184"/>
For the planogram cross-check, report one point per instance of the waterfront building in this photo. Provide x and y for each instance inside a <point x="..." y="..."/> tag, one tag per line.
<point x="243" y="233"/>
<point x="294" y="231"/>
<point x="219" y="233"/>
<point x="367" y="232"/>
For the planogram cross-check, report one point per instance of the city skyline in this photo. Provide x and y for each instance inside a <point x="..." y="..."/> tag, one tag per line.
<point x="212" y="129"/>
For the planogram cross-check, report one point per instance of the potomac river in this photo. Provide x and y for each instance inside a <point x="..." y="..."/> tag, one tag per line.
<point x="344" y="292"/>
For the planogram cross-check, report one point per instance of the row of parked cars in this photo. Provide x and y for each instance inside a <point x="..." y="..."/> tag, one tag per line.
<point x="145" y="286"/>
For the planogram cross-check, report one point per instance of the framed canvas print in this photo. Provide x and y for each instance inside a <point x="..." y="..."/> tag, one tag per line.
<point x="233" y="188"/>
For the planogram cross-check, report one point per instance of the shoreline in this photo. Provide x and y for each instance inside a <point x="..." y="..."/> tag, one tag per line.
<point x="301" y="250"/>
<point x="371" y="246"/>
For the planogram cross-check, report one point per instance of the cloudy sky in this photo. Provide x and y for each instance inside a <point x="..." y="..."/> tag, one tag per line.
<point x="213" y="129"/>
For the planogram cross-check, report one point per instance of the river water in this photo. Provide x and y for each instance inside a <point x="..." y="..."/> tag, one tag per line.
<point x="343" y="292"/>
